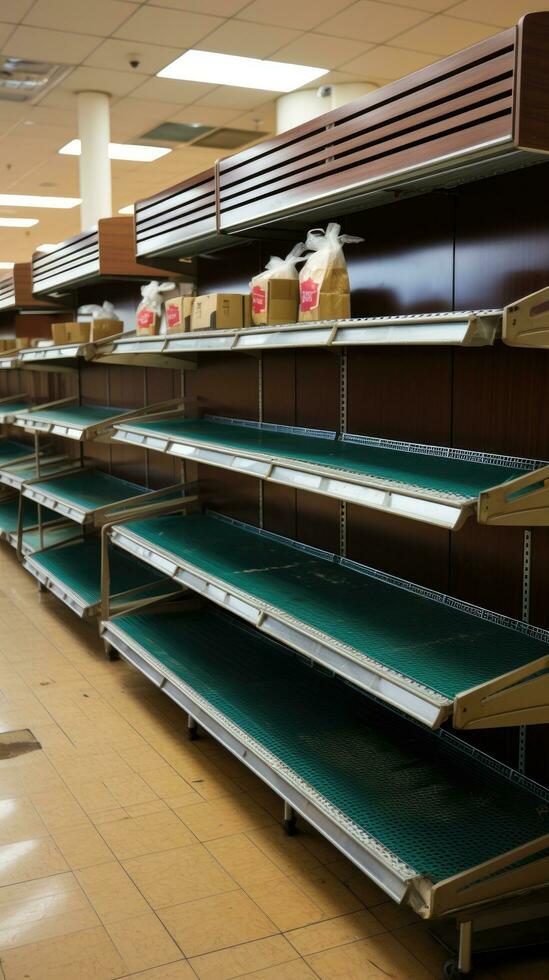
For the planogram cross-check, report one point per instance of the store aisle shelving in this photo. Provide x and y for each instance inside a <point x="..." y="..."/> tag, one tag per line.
<point x="127" y="850"/>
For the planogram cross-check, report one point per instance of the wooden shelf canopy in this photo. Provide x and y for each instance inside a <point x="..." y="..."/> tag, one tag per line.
<point x="438" y="486"/>
<point x="438" y="827"/>
<point x="482" y="111"/>
<point x="16" y="291"/>
<point x="436" y="659"/>
<point x="180" y="221"/>
<point x="101" y="253"/>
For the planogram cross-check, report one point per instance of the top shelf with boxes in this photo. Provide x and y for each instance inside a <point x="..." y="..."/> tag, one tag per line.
<point x="104" y="252"/>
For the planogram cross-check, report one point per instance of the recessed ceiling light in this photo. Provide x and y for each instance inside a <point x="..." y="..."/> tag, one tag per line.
<point x="229" y="69"/>
<point x="18" y="222"/>
<point x="36" y="201"/>
<point x="7" y="265"/>
<point x="46" y="247"/>
<point x="121" y="151"/>
<point x="129" y="209"/>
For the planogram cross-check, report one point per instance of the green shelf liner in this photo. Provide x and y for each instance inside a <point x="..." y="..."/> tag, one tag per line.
<point x="9" y="515"/>
<point x="90" y="489"/>
<point x="442" y="648"/>
<point x="435" y="808"/>
<point x="51" y="536"/>
<point x="10" y="450"/>
<point x="9" y="408"/>
<point x="78" y="567"/>
<point x="77" y="415"/>
<point x="459" y="477"/>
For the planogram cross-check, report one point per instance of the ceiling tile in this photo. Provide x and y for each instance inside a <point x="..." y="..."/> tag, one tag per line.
<point x="504" y="13"/>
<point x="14" y="10"/>
<point x="263" y="118"/>
<point x="321" y="51"/>
<point x="5" y="31"/>
<point x="222" y="8"/>
<point x="49" y="116"/>
<point x="100" y="80"/>
<point x="443" y="35"/>
<point x="204" y="115"/>
<point x="369" y="20"/>
<point x="56" y="46"/>
<point x="170" y="90"/>
<point x="288" y="13"/>
<point x="234" y="98"/>
<point x="388" y="62"/>
<point x="249" y="40"/>
<point x="160" y="26"/>
<point x="132" y="117"/>
<point x="100" y="17"/>
<point x="116" y="54"/>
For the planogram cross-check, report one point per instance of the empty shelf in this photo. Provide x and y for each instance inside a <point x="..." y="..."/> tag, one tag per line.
<point x="9" y="517"/>
<point x="10" y="408"/>
<point x="408" y="646"/>
<point x="84" y="496"/>
<point x="15" y="474"/>
<point x="72" y="421"/>
<point x="12" y="451"/>
<point x="52" y="534"/>
<point x="436" y="827"/>
<point x="72" y="572"/>
<point x="443" y="490"/>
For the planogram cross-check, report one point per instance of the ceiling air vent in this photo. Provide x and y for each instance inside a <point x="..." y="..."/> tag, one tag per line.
<point x="229" y="139"/>
<point x="22" y="80"/>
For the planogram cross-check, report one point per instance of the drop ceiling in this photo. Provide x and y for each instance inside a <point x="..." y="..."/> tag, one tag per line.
<point x="365" y="40"/>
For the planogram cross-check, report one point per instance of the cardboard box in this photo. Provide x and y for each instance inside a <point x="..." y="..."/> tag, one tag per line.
<point x="276" y="301"/>
<point x="59" y="333"/>
<point x="220" y="311"/>
<point x="178" y="314"/>
<point x="104" y="328"/>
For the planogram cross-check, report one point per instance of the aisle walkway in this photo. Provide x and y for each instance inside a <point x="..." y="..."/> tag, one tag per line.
<point x="128" y="851"/>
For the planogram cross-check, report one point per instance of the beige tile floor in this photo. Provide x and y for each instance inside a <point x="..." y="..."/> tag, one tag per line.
<point x="128" y="851"/>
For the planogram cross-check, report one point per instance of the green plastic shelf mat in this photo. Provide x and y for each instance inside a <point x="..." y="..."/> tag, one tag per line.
<point x="433" y="807"/>
<point x="12" y="450"/>
<point x="78" y="567"/>
<point x="459" y="477"/>
<point x="9" y="515"/>
<point x="442" y="648"/>
<point x="90" y="489"/>
<point x="79" y="415"/>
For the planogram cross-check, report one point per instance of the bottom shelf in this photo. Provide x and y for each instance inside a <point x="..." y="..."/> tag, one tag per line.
<point x="435" y="825"/>
<point x="72" y="572"/>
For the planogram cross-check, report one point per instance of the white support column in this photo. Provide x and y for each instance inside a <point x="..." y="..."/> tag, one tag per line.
<point x="95" y="166"/>
<point x="298" y="107"/>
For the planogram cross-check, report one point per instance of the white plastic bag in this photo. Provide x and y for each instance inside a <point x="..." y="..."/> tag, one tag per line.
<point x="105" y="312"/>
<point x="276" y="268"/>
<point x="149" y="311"/>
<point x="324" y="289"/>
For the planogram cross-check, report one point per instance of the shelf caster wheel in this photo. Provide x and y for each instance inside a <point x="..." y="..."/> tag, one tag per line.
<point x="453" y="972"/>
<point x="110" y="653"/>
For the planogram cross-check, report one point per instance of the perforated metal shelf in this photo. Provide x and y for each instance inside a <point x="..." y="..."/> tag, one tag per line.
<point x="83" y="496"/>
<point x="411" y="648"/>
<point x="72" y="572"/>
<point x="406" y="806"/>
<point x="441" y="487"/>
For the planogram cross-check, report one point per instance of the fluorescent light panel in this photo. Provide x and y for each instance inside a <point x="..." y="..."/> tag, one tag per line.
<point x="46" y="247"/>
<point x="18" y="222"/>
<point x="7" y="265"/>
<point x="129" y="209"/>
<point x="229" y="69"/>
<point x="37" y="201"/>
<point x="121" y="151"/>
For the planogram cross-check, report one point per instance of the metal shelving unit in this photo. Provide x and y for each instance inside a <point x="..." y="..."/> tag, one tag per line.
<point x="437" y="659"/>
<point x="435" y="824"/>
<point x="431" y="484"/>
